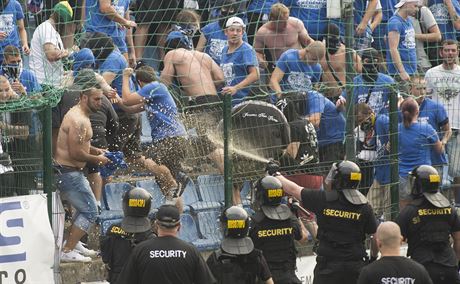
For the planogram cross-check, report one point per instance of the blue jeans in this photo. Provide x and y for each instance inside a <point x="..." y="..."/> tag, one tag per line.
<point x="74" y="187"/>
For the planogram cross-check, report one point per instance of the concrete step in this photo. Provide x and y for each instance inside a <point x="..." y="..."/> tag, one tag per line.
<point x="74" y="273"/>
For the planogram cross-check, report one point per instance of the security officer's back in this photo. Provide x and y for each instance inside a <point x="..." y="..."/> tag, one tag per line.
<point x="344" y="218"/>
<point x="121" y="238"/>
<point x="274" y="230"/>
<point x="427" y="223"/>
<point x="237" y="261"/>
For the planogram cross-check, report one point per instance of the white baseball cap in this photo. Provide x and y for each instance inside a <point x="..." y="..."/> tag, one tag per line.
<point x="402" y="2"/>
<point x="235" y="21"/>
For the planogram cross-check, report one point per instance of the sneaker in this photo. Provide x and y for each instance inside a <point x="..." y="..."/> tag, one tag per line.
<point x="81" y="248"/>
<point x="74" y="256"/>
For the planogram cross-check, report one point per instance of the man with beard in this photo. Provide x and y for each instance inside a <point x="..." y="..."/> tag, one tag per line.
<point x="443" y="84"/>
<point x="213" y="39"/>
<point x="73" y="152"/>
<point x="278" y="35"/>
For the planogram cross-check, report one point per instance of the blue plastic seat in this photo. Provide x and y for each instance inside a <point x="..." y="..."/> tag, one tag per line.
<point x="113" y="195"/>
<point x="209" y="226"/>
<point x="189" y="233"/>
<point x="211" y="192"/>
<point x="190" y="196"/>
<point x="153" y="188"/>
<point x="146" y="134"/>
<point x="245" y="193"/>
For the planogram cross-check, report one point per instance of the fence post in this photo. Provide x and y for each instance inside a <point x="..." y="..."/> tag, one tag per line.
<point x="350" y="107"/>
<point x="394" y="171"/>
<point x="227" y="152"/>
<point x="47" y="159"/>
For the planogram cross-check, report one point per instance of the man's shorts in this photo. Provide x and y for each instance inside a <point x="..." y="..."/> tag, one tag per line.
<point x="453" y="152"/>
<point x="129" y="135"/>
<point x="169" y="152"/>
<point x="329" y="154"/>
<point x="404" y="189"/>
<point x="379" y="197"/>
<point x="157" y="11"/>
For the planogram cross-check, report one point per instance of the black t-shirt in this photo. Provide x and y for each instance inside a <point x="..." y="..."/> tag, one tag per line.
<point x="166" y="260"/>
<point x="253" y="263"/>
<point x="394" y="269"/>
<point x="342" y="226"/>
<point x="419" y="221"/>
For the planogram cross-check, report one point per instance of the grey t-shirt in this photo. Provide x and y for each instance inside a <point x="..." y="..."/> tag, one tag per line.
<point x="421" y="26"/>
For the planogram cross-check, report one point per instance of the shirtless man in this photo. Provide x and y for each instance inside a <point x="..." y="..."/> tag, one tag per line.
<point x="279" y="34"/>
<point x="72" y="153"/>
<point x="336" y="57"/>
<point x="195" y="71"/>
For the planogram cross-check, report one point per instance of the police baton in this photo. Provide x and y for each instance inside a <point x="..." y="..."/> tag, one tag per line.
<point x="296" y="204"/>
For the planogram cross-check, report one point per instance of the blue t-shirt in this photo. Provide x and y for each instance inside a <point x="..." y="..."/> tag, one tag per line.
<point x="8" y="23"/>
<point x="311" y="12"/>
<point x="261" y="6"/>
<point x="332" y="125"/>
<point x="382" y="163"/>
<point x="28" y="80"/>
<point x="236" y="65"/>
<point x="442" y="17"/>
<point x="380" y="92"/>
<point x="216" y="40"/>
<point x="435" y="114"/>
<point x="161" y="112"/>
<point x="415" y="146"/>
<point x="298" y="75"/>
<point x="388" y="9"/>
<point x="115" y="63"/>
<point x="96" y="21"/>
<point x="406" y="46"/>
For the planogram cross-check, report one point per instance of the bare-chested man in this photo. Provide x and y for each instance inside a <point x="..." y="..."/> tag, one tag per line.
<point x="72" y="153"/>
<point x="278" y="35"/>
<point x="334" y="63"/>
<point x="195" y="71"/>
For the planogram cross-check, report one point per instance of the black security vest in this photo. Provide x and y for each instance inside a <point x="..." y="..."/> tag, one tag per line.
<point x="233" y="269"/>
<point x="341" y="232"/>
<point x="276" y="239"/>
<point x="429" y="233"/>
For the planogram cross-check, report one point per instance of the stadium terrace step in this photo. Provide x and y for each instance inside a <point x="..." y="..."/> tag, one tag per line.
<point x="72" y="273"/>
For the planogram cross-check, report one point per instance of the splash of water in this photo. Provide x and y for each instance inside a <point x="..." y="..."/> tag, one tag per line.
<point x="218" y="141"/>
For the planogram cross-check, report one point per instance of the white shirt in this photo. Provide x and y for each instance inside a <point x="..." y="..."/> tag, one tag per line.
<point x="444" y="87"/>
<point x="46" y="72"/>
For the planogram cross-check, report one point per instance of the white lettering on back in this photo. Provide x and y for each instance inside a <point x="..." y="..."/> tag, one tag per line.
<point x="168" y="253"/>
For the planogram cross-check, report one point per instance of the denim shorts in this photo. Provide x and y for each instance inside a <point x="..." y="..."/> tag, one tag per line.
<point x="404" y="188"/>
<point x="453" y="153"/>
<point x="74" y="187"/>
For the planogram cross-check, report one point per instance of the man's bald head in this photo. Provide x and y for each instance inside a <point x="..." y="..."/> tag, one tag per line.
<point x="315" y="52"/>
<point x="389" y="235"/>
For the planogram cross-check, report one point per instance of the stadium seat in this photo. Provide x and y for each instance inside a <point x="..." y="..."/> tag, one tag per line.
<point x="153" y="188"/>
<point x="146" y="135"/>
<point x="190" y="196"/>
<point x="113" y="195"/>
<point x="211" y="192"/>
<point x="245" y="193"/>
<point x="189" y="233"/>
<point x="209" y="226"/>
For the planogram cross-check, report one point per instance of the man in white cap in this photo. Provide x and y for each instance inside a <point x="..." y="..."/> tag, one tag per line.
<point x="239" y="62"/>
<point x="402" y="58"/>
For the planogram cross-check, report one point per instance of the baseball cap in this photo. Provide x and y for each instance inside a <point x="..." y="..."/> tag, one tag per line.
<point x="64" y="10"/>
<point x="83" y="58"/>
<point x="402" y="2"/>
<point x="168" y="216"/>
<point x="235" y="21"/>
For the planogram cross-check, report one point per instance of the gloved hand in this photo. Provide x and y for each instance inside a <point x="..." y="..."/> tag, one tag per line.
<point x="272" y="167"/>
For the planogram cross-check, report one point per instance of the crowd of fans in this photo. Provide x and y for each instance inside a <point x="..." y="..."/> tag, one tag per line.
<point x="286" y="53"/>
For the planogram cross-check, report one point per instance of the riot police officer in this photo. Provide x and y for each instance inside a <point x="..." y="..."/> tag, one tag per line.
<point x="344" y="218"/>
<point x="427" y="223"/>
<point x="121" y="238"/>
<point x="274" y="230"/>
<point x="237" y="261"/>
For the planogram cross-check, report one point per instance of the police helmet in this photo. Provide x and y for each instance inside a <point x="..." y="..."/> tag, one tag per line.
<point x="425" y="180"/>
<point x="346" y="176"/>
<point x="269" y="192"/>
<point x="235" y="222"/>
<point x="136" y="207"/>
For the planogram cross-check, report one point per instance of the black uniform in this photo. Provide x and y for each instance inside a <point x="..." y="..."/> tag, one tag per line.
<point x="342" y="229"/>
<point x="239" y="269"/>
<point x="276" y="239"/>
<point x="427" y="229"/>
<point x="166" y="260"/>
<point x="394" y="269"/>
<point x="116" y="247"/>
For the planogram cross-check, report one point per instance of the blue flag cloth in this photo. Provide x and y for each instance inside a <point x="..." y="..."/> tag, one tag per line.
<point x="117" y="163"/>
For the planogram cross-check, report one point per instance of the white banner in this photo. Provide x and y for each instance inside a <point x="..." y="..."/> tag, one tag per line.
<point x="26" y="240"/>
